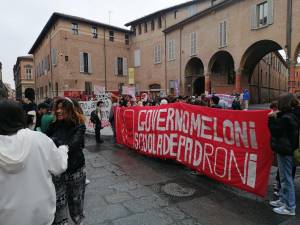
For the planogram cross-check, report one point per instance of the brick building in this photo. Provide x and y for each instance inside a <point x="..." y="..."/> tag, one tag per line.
<point x="269" y="79"/>
<point x="72" y="55"/>
<point x="3" y="90"/>
<point x="23" y="76"/>
<point x="295" y="81"/>
<point x="186" y="49"/>
<point x="11" y="93"/>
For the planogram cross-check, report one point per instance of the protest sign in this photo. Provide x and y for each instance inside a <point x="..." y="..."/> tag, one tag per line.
<point x="128" y="90"/>
<point x="89" y="106"/>
<point x="227" y="100"/>
<point x="99" y="90"/>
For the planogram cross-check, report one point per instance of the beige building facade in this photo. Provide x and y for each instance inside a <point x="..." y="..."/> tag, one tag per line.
<point x="269" y="79"/>
<point x="73" y="55"/>
<point x="3" y="90"/>
<point x="188" y="49"/>
<point x="23" y="76"/>
<point x="217" y="48"/>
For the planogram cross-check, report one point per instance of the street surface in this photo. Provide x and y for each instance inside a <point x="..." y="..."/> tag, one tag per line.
<point x="131" y="189"/>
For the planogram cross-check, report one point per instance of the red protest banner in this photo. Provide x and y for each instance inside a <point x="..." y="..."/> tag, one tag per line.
<point x="231" y="147"/>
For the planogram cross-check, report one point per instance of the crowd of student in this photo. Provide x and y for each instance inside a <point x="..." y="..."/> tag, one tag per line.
<point x="42" y="176"/>
<point x="210" y="101"/>
<point x="284" y="125"/>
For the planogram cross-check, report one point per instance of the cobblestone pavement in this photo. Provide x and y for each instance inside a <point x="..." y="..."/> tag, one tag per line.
<point x="130" y="189"/>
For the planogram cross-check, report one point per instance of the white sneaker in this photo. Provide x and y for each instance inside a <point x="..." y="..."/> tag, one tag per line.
<point x="276" y="203"/>
<point x="87" y="181"/>
<point x="284" y="211"/>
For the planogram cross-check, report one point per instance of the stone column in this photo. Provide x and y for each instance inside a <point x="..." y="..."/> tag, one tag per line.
<point x="207" y="83"/>
<point x="238" y="77"/>
<point x="291" y="78"/>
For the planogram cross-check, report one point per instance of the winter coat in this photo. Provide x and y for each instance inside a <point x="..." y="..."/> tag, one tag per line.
<point x="246" y="95"/>
<point x="27" y="194"/>
<point x="284" y="131"/>
<point x="72" y="135"/>
<point x="95" y="118"/>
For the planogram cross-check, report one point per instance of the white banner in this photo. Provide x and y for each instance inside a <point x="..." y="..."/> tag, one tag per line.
<point x="99" y="90"/>
<point x="89" y="106"/>
<point x="225" y="99"/>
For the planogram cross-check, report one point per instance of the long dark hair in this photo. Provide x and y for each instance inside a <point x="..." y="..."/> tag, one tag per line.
<point x="70" y="113"/>
<point x="12" y="117"/>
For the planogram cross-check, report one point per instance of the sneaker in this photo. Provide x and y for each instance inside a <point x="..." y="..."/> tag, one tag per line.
<point x="87" y="181"/>
<point x="284" y="211"/>
<point x="276" y="203"/>
<point x="195" y="173"/>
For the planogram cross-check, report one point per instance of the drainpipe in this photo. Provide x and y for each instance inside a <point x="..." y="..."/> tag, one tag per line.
<point x="289" y="42"/>
<point x="35" y="89"/>
<point x="166" y="75"/>
<point x="104" y="48"/>
<point x="180" y="62"/>
<point x="269" y="85"/>
<point x="51" y="73"/>
<point x="259" y="84"/>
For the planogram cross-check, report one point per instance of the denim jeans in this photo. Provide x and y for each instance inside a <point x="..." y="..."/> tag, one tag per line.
<point x="287" y="191"/>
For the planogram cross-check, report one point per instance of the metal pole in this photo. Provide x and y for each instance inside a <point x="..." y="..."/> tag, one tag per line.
<point x="289" y="43"/>
<point x="104" y="46"/>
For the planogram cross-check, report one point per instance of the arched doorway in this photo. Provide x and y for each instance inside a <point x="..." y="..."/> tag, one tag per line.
<point x="296" y="56"/>
<point x="295" y="70"/>
<point x="194" y="83"/>
<point x="222" y="74"/>
<point x="264" y="71"/>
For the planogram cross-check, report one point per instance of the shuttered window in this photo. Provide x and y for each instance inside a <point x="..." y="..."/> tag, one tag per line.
<point x="262" y="14"/>
<point x="54" y="56"/>
<point x="75" y="28"/>
<point x="121" y="66"/>
<point x="85" y="63"/>
<point x="193" y="43"/>
<point x="137" y="58"/>
<point x="223" y="34"/>
<point x="88" y="88"/>
<point x="171" y="50"/>
<point x="157" y="54"/>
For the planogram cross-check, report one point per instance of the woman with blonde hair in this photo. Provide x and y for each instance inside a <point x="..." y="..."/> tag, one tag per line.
<point x="69" y="129"/>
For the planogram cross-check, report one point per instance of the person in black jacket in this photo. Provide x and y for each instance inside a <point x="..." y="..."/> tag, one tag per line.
<point x="69" y="129"/>
<point x="215" y="102"/>
<point x="96" y="120"/>
<point x="284" y="128"/>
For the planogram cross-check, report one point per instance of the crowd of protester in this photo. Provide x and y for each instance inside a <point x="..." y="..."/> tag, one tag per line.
<point x="210" y="101"/>
<point x="42" y="165"/>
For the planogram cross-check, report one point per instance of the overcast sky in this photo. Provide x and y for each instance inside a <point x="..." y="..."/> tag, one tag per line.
<point x="21" y="21"/>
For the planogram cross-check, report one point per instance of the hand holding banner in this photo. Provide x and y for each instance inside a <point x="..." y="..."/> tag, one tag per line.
<point x="229" y="146"/>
